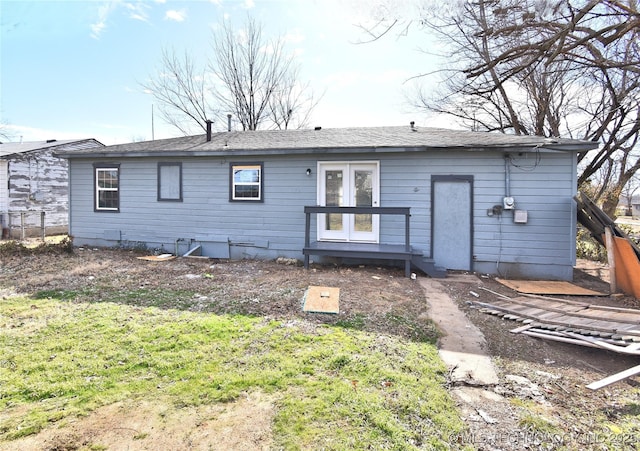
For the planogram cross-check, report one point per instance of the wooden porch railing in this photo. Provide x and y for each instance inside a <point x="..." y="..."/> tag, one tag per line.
<point x="358" y="249"/>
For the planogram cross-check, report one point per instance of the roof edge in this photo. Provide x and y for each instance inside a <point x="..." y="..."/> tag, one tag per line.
<point x="324" y="150"/>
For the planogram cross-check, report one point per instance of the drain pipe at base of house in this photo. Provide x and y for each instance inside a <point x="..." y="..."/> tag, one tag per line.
<point x="176" y="244"/>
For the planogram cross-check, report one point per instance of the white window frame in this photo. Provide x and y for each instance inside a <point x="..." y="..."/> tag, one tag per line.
<point x="98" y="189"/>
<point x="232" y="182"/>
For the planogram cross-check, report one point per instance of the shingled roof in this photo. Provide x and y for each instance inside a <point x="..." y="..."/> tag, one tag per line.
<point x="16" y="148"/>
<point x="336" y="140"/>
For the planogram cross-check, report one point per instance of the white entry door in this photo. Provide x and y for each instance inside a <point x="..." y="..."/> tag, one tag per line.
<point x="348" y="185"/>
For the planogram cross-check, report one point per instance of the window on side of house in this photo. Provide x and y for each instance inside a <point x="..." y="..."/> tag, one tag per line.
<point x="170" y="182"/>
<point x="107" y="187"/>
<point x="246" y="182"/>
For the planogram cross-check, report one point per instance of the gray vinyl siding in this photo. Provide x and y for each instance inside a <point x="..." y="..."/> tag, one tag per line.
<point x="275" y="227"/>
<point x="545" y="190"/>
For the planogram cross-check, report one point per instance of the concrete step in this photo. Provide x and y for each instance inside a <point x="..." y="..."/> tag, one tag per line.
<point x="428" y="266"/>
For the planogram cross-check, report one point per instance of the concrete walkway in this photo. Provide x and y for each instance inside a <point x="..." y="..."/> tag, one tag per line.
<point x="487" y="414"/>
<point x="462" y="346"/>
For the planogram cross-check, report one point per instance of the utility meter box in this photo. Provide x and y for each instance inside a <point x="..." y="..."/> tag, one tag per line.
<point x="509" y="203"/>
<point x="520" y="217"/>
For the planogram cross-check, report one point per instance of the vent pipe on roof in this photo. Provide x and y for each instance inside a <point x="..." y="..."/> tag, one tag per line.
<point x="208" y="130"/>
<point x="229" y="122"/>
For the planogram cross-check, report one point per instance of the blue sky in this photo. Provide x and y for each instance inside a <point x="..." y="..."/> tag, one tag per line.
<point x="72" y="69"/>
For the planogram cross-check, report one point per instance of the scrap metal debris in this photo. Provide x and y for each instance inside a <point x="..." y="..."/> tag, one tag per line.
<point x="597" y="326"/>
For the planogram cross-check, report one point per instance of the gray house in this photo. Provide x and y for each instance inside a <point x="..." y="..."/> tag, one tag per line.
<point x="33" y="181"/>
<point x="491" y="203"/>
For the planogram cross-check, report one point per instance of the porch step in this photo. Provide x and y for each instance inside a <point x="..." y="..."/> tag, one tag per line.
<point x="428" y="266"/>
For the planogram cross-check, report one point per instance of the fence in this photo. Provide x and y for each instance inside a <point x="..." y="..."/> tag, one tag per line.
<point x="27" y="224"/>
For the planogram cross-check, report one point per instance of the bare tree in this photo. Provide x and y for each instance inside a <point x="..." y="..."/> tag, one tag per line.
<point x="251" y="77"/>
<point x="250" y="72"/>
<point x="258" y="80"/>
<point x="181" y="90"/>
<point x="547" y="68"/>
<point x="293" y="103"/>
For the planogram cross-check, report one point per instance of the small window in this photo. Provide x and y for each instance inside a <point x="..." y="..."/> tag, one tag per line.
<point x="246" y="182"/>
<point x="170" y="182"/>
<point x="107" y="183"/>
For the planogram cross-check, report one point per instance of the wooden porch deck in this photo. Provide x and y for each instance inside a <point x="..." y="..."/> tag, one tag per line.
<point x="355" y="249"/>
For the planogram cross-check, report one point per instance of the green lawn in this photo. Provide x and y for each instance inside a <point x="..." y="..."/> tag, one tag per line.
<point x="62" y="358"/>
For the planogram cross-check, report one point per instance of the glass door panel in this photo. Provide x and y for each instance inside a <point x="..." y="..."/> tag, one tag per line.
<point x="363" y="197"/>
<point x="334" y="195"/>
<point x="364" y="192"/>
<point x="348" y="185"/>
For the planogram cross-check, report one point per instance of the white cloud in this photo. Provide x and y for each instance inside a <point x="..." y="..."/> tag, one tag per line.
<point x="135" y="11"/>
<point x="138" y="11"/>
<point x="104" y="11"/>
<point x="178" y="16"/>
<point x="248" y="4"/>
<point x="97" y="28"/>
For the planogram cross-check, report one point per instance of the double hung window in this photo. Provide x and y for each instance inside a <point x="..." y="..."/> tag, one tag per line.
<point x="246" y="182"/>
<point x="107" y="188"/>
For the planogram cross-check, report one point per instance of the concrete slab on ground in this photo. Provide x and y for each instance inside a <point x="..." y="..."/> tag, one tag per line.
<point x="462" y="346"/>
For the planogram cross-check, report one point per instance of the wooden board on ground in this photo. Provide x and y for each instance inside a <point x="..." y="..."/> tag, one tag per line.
<point x="614" y="378"/>
<point x="321" y="300"/>
<point x="158" y="258"/>
<point x="548" y="287"/>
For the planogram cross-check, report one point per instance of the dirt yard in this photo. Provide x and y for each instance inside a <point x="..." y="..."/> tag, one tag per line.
<point x="546" y="377"/>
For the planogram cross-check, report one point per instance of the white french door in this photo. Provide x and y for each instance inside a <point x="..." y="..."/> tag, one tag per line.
<point x="355" y="184"/>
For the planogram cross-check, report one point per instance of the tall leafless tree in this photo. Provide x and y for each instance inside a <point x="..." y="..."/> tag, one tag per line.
<point x="181" y="91"/>
<point x="293" y="104"/>
<point x="562" y="67"/>
<point x="253" y="78"/>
